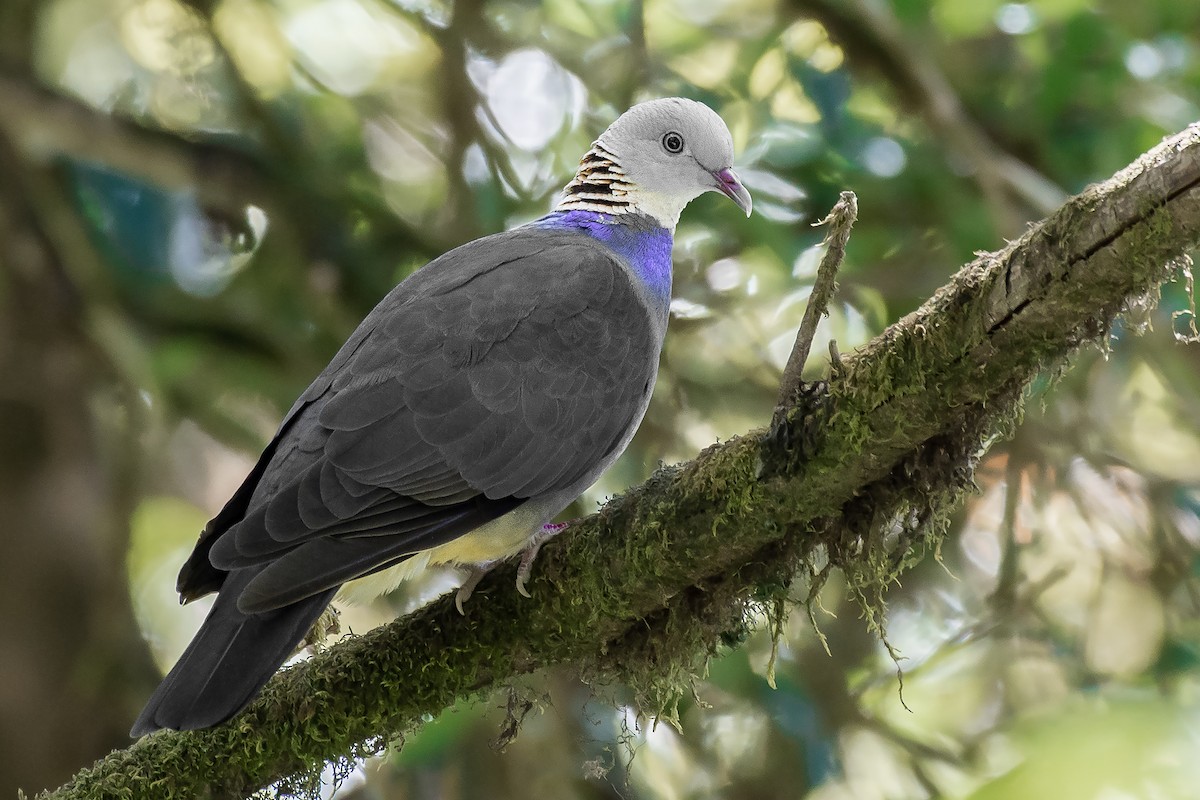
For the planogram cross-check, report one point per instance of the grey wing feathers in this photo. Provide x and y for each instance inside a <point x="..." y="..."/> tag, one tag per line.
<point x="508" y="369"/>
<point x="327" y="562"/>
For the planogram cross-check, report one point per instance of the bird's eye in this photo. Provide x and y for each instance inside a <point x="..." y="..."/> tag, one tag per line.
<point x="672" y="142"/>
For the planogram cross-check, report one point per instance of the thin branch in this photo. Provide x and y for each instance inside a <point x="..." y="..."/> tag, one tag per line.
<point x="664" y="573"/>
<point x="840" y="220"/>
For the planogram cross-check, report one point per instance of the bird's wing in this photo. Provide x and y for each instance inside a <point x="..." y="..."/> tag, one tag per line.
<point x="509" y="369"/>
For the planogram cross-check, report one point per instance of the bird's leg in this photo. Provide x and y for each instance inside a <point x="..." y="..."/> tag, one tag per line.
<point x="528" y="555"/>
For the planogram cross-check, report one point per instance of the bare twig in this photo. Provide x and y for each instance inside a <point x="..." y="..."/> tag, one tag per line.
<point x="840" y="220"/>
<point x="836" y="367"/>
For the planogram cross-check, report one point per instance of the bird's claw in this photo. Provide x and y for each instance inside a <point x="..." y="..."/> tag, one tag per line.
<point x="530" y="553"/>
<point x="524" y="568"/>
<point x="468" y="587"/>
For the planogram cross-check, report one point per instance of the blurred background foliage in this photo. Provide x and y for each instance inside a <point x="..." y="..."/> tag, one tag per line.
<point x="199" y="199"/>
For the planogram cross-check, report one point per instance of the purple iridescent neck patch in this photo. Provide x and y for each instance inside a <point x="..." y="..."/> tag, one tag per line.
<point x="645" y="245"/>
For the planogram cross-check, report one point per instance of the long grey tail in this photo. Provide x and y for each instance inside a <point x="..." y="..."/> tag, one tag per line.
<point x="230" y="659"/>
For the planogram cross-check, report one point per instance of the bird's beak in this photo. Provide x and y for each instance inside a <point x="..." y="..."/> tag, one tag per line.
<point x="730" y="185"/>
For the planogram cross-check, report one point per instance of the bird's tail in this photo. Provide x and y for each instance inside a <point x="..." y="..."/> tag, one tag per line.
<point x="230" y="659"/>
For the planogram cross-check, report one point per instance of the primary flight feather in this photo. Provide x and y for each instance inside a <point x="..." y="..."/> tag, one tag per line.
<point x="478" y="399"/>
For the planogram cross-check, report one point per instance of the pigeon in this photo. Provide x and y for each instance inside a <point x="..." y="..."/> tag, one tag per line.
<point x="482" y="395"/>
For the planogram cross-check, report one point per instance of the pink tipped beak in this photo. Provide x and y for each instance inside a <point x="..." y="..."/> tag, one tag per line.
<point x="729" y="185"/>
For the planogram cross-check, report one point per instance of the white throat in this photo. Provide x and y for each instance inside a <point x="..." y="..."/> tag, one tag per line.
<point x="601" y="185"/>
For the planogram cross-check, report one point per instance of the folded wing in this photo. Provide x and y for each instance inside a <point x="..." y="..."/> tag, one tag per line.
<point x="509" y="369"/>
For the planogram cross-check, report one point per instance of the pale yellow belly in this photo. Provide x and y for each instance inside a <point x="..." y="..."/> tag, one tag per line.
<point x="496" y="540"/>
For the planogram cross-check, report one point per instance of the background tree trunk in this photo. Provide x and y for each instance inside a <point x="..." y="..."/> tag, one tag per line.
<point x="73" y="665"/>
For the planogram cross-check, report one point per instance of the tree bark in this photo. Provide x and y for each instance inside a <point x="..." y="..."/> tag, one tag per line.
<point x="661" y="577"/>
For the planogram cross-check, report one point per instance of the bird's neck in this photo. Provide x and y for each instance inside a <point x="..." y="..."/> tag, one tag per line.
<point x="640" y="240"/>
<point x="602" y="186"/>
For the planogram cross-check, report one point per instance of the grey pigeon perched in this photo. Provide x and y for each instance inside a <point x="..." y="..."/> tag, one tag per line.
<point x="478" y="399"/>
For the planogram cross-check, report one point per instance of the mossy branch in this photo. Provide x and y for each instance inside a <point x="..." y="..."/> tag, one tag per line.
<point x="662" y="576"/>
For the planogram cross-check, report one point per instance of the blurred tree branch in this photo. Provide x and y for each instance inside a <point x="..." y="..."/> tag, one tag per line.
<point x="659" y="578"/>
<point x="46" y="124"/>
<point x="873" y="38"/>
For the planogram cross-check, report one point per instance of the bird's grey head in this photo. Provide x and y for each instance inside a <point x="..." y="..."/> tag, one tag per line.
<point x="655" y="159"/>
